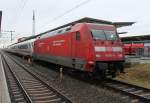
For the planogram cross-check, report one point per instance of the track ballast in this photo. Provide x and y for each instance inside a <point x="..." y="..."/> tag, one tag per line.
<point x="27" y="87"/>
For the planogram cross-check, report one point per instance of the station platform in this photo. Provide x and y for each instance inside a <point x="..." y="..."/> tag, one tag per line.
<point x="139" y="60"/>
<point x="4" y="94"/>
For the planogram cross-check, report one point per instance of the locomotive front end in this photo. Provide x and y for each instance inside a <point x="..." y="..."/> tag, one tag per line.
<point x="108" y="50"/>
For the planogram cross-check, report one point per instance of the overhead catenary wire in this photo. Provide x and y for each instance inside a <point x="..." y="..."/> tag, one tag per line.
<point x="11" y="33"/>
<point x="66" y="12"/>
<point x="19" y="14"/>
<point x="24" y="2"/>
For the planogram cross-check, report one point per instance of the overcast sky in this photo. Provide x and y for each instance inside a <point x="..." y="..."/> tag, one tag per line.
<point x="17" y="14"/>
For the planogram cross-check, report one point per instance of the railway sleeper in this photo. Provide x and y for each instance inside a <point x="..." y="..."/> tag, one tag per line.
<point x="48" y="97"/>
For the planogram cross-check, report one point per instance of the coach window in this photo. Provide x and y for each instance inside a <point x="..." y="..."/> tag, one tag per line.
<point x="78" y="35"/>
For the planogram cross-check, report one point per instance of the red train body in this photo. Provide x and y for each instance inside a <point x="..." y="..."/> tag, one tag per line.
<point x="132" y="49"/>
<point x="88" y="45"/>
<point x="85" y="46"/>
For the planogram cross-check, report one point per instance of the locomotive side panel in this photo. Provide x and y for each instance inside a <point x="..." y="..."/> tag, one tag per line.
<point x="82" y="48"/>
<point x="70" y="49"/>
<point x="56" y="49"/>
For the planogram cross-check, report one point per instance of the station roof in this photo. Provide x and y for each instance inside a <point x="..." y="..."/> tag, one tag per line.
<point x="141" y="38"/>
<point x="92" y="20"/>
<point x="86" y="20"/>
<point x="122" y="24"/>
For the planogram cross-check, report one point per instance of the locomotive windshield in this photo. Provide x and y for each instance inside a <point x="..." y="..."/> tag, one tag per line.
<point x="110" y="35"/>
<point x="104" y="35"/>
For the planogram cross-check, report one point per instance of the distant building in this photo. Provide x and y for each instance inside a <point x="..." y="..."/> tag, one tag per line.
<point x="137" y="45"/>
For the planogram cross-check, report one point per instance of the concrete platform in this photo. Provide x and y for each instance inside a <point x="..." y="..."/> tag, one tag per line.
<point x="4" y="94"/>
<point x="139" y="60"/>
<point x="145" y="60"/>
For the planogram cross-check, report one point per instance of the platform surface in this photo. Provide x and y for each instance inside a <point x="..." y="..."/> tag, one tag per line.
<point x="134" y="59"/>
<point x="4" y="94"/>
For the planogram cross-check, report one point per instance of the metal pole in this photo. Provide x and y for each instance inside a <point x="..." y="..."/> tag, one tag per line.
<point x="0" y="19"/>
<point x="61" y="74"/>
<point x="11" y="35"/>
<point x="33" y="28"/>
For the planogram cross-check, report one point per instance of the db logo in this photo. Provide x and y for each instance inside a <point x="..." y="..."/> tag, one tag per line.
<point x="109" y="48"/>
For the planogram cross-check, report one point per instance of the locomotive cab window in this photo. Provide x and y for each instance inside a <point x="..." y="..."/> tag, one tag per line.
<point x="78" y="35"/>
<point x="111" y="35"/>
<point x="104" y="35"/>
<point x="98" y="34"/>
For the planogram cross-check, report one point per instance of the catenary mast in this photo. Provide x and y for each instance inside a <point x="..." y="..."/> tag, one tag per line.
<point x="33" y="26"/>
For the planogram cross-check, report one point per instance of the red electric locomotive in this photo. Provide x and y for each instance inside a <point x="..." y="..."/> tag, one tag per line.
<point x="83" y="45"/>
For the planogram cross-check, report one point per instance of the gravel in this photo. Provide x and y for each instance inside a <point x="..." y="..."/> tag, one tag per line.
<point x="81" y="92"/>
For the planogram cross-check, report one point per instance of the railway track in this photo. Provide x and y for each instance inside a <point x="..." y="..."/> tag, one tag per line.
<point x="16" y="90"/>
<point x="137" y="93"/>
<point x="26" y="87"/>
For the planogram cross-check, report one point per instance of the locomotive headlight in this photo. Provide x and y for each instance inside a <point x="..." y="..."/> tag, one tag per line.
<point x="120" y="55"/>
<point x="100" y="49"/>
<point x="117" y="49"/>
<point x="98" y="55"/>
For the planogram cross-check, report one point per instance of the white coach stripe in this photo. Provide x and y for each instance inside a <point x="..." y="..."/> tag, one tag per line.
<point x="100" y="49"/>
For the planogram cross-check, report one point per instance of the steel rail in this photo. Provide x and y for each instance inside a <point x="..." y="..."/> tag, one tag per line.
<point x="63" y="97"/>
<point x="24" y="92"/>
<point x="140" y="93"/>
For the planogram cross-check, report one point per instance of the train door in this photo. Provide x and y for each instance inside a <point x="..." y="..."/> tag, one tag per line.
<point x="77" y="52"/>
<point x="75" y="44"/>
